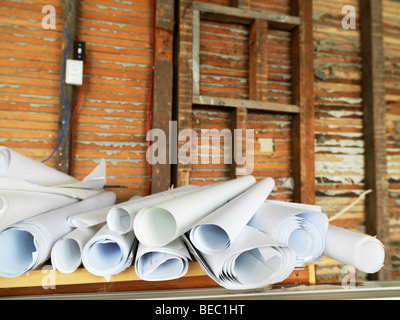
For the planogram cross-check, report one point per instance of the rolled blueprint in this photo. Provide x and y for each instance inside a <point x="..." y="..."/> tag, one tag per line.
<point x="362" y="251"/>
<point x="16" y="165"/>
<point x="120" y="218"/>
<point x="162" y="263"/>
<point x="89" y="186"/>
<point x="17" y="205"/>
<point x="254" y="260"/>
<point x="217" y="231"/>
<point x="159" y="224"/>
<point x="66" y="255"/>
<point x="27" y="244"/>
<point x="90" y="219"/>
<point x="22" y="199"/>
<point x="302" y="230"/>
<point x="108" y="252"/>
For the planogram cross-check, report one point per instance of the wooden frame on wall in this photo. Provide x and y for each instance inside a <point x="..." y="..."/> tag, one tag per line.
<point x="299" y="23"/>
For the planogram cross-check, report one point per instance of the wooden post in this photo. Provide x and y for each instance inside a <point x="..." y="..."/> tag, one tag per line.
<point x="238" y="122"/>
<point x="63" y="153"/>
<point x="163" y="87"/>
<point x="258" y="60"/>
<point x="303" y="96"/>
<point x="242" y="4"/>
<point x="184" y="83"/>
<point x="373" y="94"/>
<point x="257" y="82"/>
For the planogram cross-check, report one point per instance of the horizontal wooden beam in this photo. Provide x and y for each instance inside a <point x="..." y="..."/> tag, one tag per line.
<point x="45" y="280"/>
<point x="245" y="16"/>
<point x="243" y="103"/>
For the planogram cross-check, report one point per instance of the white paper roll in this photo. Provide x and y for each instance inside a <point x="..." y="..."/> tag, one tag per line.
<point x="108" y="252"/>
<point x="303" y="231"/>
<point x="120" y="218"/>
<point x="162" y="263"/>
<point x="26" y="245"/>
<point x="90" y="219"/>
<point x="218" y="230"/>
<point x="16" y="165"/>
<point x="362" y="251"/>
<point x="16" y="206"/>
<point x="89" y="186"/>
<point x="66" y="254"/>
<point x="254" y="260"/>
<point x="159" y="224"/>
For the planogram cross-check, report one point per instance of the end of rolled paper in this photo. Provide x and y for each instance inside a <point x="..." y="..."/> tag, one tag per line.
<point x="17" y="252"/>
<point x="119" y="220"/>
<point x="270" y="181"/>
<point x="209" y="238"/>
<point x="5" y="158"/>
<point x="371" y="256"/>
<point x="66" y="255"/>
<point x="3" y="205"/>
<point x="155" y="226"/>
<point x="101" y="256"/>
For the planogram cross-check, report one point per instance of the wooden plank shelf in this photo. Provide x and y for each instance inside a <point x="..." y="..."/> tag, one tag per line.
<point x="44" y="280"/>
<point x="243" y="103"/>
<point x="245" y="16"/>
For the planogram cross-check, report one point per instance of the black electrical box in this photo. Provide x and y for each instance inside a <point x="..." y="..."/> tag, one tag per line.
<point x="79" y="50"/>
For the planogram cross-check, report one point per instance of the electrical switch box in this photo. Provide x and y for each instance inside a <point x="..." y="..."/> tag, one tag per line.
<point x="79" y="50"/>
<point x="74" y="72"/>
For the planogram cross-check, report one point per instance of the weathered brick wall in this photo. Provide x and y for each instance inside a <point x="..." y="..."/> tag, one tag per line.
<point x="110" y="122"/>
<point x="30" y="62"/>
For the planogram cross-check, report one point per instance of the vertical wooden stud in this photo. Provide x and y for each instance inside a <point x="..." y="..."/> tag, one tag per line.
<point x="303" y="96"/>
<point x="163" y="87"/>
<point x="184" y="82"/>
<point x="258" y="60"/>
<point x="242" y="4"/>
<point x="196" y="52"/>
<point x="63" y="152"/>
<point x="373" y="94"/>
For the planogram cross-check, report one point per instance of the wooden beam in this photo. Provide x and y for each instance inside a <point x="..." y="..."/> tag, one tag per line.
<point x="373" y="94"/>
<point x="245" y="16"/>
<point x="244" y="103"/>
<point x="303" y="96"/>
<point x="163" y="87"/>
<point x="258" y="61"/>
<point x="257" y="89"/>
<point x="63" y="154"/>
<point x="184" y="82"/>
<point x="82" y="281"/>
<point x="196" y="52"/>
<point x="243" y="4"/>
<point x="238" y="122"/>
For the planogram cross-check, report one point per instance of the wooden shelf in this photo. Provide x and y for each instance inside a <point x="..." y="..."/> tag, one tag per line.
<point x="245" y="16"/>
<point x="48" y="281"/>
<point x="243" y="103"/>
